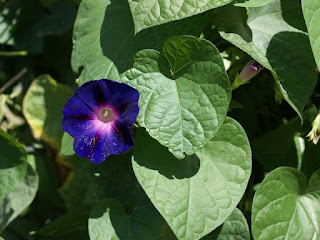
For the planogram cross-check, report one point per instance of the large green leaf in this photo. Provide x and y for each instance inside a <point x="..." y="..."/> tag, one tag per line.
<point x="73" y="226"/>
<point x="234" y="228"/>
<point x="20" y="198"/>
<point x="197" y="194"/>
<point x="152" y="13"/>
<point x="104" y="39"/>
<point x="284" y="207"/>
<point x="110" y="220"/>
<point x="271" y="35"/>
<point x="184" y="93"/>
<point x="42" y="107"/>
<point x="13" y="164"/>
<point x="311" y="12"/>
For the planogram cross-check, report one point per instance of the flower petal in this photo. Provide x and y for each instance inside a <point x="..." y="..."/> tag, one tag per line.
<point x="77" y="127"/>
<point x="118" y="94"/>
<point x="119" y="138"/>
<point x="90" y="93"/>
<point x="128" y="114"/>
<point x="114" y="141"/>
<point x="77" y="107"/>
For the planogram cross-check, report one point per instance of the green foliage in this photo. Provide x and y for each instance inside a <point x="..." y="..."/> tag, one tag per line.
<point x="235" y="227"/>
<point x="284" y="207"/>
<point x="251" y="3"/>
<point x="189" y="174"/>
<point x="106" y="42"/>
<point x="66" y="145"/>
<point x="109" y="220"/>
<point x="152" y="13"/>
<point x="270" y="35"/>
<point x="70" y="226"/>
<point x="42" y="107"/>
<point x="18" y="199"/>
<point x="206" y="186"/>
<point x="13" y="164"/>
<point x="177" y="106"/>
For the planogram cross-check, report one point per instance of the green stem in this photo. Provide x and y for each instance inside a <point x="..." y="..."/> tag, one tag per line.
<point x="13" y="53"/>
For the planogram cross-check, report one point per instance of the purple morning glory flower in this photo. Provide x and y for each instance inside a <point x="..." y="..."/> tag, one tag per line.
<point x="99" y="116"/>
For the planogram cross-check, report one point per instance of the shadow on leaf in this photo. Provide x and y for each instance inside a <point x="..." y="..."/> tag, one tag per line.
<point x="149" y="153"/>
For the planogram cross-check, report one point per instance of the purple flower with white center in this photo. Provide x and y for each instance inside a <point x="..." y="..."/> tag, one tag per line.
<point x="99" y="116"/>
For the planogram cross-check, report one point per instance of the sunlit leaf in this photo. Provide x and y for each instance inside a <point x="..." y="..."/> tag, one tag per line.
<point x="285" y="207"/>
<point x="197" y="194"/>
<point x="184" y="93"/>
<point x="152" y="13"/>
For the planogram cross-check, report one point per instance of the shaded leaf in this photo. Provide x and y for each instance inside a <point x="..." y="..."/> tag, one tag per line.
<point x="271" y="35"/>
<point x="34" y="22"/>
<point x="104" y="40"/>
<point x="184" y="93"/>
<point x="278" y="148"/>
<point x="197" y="194"/>
<point x="73" y="225"/>
<point x="20" y="198"/>
<point x="42" y="107"/>
<point x="79" y="180"/>
<point x="13" y="164"/>
<point x="129" y="214"/>
<point x="109" y="220"/>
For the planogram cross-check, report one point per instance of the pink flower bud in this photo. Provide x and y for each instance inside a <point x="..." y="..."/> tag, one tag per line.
<point x="251" y="69"/>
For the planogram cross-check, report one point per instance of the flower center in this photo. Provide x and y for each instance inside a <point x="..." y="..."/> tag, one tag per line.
<point x="106" y="115"/>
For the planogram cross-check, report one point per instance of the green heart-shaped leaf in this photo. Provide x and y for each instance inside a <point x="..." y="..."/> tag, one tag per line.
<point x="13" y="164"/>
<point x="184" y="93"/>
<point x="197" y="194"/>
<point x="284" y="207"/>
<point x="104" y="39"/>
